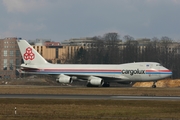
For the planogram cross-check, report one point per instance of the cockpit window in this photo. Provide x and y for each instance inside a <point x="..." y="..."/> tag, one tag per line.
<point x="158" y="65"/>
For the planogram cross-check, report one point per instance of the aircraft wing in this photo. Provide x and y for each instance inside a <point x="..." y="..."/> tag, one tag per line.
<point x="106" y="78"/>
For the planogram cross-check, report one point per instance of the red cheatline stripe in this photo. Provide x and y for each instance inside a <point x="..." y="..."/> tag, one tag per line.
<point x="158" y="71"/>
<point x="89" y="70"/>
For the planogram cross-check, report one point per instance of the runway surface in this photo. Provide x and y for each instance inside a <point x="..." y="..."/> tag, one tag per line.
<point x="94" y="97"/>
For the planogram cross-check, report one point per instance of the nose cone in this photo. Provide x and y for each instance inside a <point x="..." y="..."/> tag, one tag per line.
<point x="165" y="72"/>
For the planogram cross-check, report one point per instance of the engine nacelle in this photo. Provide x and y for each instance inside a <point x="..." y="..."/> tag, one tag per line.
<point x="96" y="81"/>
<point x="64" y="79"/>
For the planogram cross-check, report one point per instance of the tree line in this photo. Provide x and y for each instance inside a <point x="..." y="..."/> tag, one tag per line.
<point x="107" y="50"/>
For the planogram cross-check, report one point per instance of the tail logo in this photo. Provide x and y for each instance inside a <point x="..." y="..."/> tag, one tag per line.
<point x="29" y="55"/>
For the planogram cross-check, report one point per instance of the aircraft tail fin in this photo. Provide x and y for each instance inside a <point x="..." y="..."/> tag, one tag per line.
<point x="29" y="54"/>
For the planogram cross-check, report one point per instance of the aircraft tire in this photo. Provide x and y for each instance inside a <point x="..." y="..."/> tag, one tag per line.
<point x="153" y="86"/>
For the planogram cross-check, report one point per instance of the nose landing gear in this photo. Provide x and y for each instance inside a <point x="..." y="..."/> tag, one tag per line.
<point x="154" y="84"/>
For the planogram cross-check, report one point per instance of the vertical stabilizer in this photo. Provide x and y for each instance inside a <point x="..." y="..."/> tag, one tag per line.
<point x="29" y="54"/>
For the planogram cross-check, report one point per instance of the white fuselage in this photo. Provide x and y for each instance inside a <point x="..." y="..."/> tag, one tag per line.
<point x="140" y="71"/>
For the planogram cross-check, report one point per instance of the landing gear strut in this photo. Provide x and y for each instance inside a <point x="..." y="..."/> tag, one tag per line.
<point x="154" y="84"/>
<point x="106" y="85"/>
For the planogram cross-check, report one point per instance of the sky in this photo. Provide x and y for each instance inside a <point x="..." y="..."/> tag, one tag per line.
<point x="60" y="20"/>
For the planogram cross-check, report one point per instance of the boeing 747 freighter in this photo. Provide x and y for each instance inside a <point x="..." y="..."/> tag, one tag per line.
<point x="94" y="74"/>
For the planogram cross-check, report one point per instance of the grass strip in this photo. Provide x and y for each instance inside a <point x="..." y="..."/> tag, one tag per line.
<point x="32" y="109"/>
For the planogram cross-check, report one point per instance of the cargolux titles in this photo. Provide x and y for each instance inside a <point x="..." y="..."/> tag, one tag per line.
<point x="132" y="72"/>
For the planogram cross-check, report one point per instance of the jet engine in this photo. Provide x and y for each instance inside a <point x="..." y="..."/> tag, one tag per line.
<point x="64" y="79"/>
<point x="96" y="81"/>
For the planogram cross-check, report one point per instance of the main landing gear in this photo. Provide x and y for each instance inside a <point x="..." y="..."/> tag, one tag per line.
<point x="106" y="85"/>
<point x="154" y="84"/>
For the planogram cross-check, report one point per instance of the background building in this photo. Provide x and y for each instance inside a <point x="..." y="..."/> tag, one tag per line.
<point x="86" y="42"/>
<point x="10" y="58"/>
<point x="54" y="52"/>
